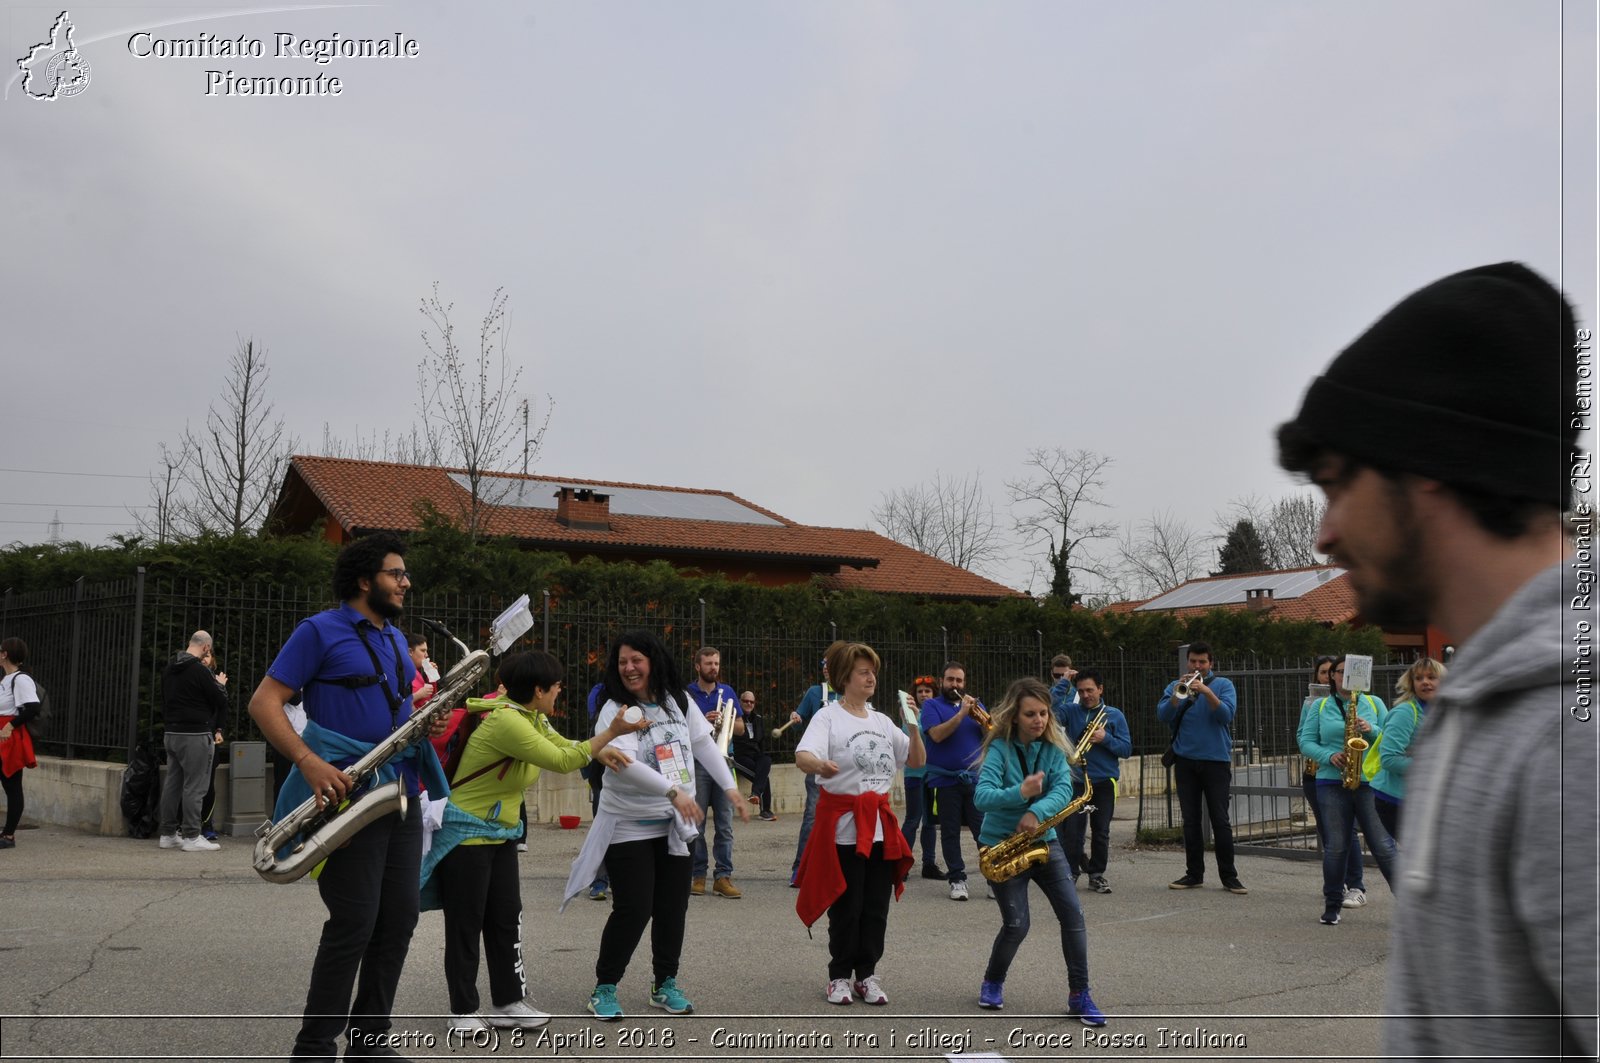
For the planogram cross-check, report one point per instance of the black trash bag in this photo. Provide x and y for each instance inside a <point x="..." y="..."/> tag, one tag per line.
<point x="141" y="792"/>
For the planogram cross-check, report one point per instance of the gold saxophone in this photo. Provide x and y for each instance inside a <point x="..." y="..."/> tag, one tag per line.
<point x="1012" y="856"/>
<point x="1354" y="746"/>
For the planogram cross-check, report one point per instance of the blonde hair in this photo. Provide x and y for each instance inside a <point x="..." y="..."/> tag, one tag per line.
<point x="1423" y="666"/>
<point x="1004" y="716"/>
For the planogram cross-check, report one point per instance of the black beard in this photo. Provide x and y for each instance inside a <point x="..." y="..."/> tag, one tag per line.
<point x="381" y="603"/>
<point x="1403" y="598"/>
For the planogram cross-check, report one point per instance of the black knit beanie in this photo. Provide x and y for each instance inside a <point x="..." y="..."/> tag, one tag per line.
<point x="1468" y="381"/>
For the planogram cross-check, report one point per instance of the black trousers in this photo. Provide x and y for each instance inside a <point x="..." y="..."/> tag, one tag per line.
<point x="1389" y="816"/>
<point x="13" y="788"/>
<point x="481" y="899"/>
<point x="956" y="809"/>
<point x="647" y="886"/>
<point x="1097" y="825"/>
<point x="370" y="888"/>
<point x="756" y="768"/>
<point x="1207" y="780"/>
<point x="859" y="919"/>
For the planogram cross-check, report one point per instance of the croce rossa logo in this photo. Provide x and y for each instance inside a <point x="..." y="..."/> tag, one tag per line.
<point x="54" y="69"/>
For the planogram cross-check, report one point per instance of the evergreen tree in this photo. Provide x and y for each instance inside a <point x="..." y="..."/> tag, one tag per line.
<point x="1242" y="551"/>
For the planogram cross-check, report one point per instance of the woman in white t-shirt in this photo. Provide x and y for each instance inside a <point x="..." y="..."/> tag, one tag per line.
<point x="856" y="855"/>
<point x="19" y="703"/>
<point x="645" y="819"/>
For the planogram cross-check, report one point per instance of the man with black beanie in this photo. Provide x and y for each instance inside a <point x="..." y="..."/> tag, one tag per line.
<point x="1445" y="441"/>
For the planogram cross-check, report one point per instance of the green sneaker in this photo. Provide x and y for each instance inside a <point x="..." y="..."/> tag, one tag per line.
<point x="667" y="997"/>
<point x="603" y="1003"/>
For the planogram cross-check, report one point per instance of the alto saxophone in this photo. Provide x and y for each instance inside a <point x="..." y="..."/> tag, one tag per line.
<point x="320" y="831"/>
<point x="1354" y="747"/>
<point x="1011" y="856"/>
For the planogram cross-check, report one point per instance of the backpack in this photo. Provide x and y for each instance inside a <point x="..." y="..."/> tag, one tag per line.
<point x="37" y="725"/>
<point x="141" y="792"/>
<point x="457" y="744"/>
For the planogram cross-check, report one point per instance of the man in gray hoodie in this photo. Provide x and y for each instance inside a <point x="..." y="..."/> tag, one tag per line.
<point x="1446" y="441"/>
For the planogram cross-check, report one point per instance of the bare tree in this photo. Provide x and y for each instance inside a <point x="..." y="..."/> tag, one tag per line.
<point x="1288" y="527"/>
<point x="160" y="518"/>
<point x="468" y="407"/>
<point x="408" y="448"/>
<point x="946" y="518"/>
<point x="1163" y="552"/>
<point x="233" y="468"/>
<point x="1053" y="504"/>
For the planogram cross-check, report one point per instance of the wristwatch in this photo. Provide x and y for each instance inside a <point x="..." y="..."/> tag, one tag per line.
<point x="672" y="793"/>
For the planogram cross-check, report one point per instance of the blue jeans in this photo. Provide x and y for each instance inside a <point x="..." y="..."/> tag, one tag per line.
<point x="806" y="818"/>
<point x="1055" y="879"/>
<point x="1354" y="871"/>
<point x="914" y="803"/>
<point x="1337" y="807"/>
<point x="714" y="801"/>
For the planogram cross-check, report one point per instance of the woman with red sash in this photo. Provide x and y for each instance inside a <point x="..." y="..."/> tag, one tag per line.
<point x="856" y="855"/>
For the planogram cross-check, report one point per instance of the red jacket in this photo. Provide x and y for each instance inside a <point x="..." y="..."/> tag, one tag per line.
<point x="821" y="878"/>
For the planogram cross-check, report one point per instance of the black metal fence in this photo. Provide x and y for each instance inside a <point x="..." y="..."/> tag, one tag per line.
<point x="100" y="649"/>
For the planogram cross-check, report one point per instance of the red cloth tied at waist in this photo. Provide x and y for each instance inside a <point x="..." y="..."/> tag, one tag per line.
<point x="16" y="749"/>
<point x="821" y="879"/>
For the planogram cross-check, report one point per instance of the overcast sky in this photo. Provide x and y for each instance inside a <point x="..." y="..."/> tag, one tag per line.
<point x="805" y="252"/>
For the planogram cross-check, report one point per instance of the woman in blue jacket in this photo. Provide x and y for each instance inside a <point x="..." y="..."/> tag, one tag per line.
<point x="1322" y="740"/>
<point x="1417" y="686"/>
<point x="1024" y="781"/>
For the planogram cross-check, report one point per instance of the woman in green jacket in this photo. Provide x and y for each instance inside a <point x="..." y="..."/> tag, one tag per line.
<point x="1417" y="686"/>
<point x="476" y="874"/>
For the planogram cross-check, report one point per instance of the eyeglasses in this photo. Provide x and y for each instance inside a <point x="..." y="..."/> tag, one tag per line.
<point x="747" y="701"/>
<point x="400" y="575"/>
<point x="1058" y="675"/>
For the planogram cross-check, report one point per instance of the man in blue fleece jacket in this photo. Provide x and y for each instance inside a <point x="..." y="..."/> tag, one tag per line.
<point x="1204" y="769"/>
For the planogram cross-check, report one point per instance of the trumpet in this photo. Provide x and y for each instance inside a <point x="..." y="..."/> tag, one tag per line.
<point x="980" y="714"/>
<point x="1185" y="688"/>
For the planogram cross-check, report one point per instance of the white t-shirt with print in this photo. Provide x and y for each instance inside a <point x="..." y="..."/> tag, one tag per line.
<point x="868" y="752"/>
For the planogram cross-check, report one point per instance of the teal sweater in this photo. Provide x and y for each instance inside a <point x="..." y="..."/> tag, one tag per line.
<point x="1394" y="752"/>
<point x="999" y="793"/>
<point x="1322" y="732"/>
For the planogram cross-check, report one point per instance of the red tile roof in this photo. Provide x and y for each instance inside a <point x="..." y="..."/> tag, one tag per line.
<point x="365" y="496"/>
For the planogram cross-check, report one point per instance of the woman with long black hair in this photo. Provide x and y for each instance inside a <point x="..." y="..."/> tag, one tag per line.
<point x="646" y="819"/>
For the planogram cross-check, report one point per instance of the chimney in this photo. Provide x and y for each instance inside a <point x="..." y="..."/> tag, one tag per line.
<point x="583" y="509"/>
<point x="1259" y="599"/>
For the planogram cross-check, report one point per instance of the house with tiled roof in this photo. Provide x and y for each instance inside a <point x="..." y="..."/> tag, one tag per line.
<point x="695" y="529"/>
<point x="1321" y="594"/>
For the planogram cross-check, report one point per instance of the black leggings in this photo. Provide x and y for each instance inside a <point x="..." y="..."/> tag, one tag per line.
<point x="13" y="788"/>
<point x="647" y="886"/>
<point x="859" y="919"/>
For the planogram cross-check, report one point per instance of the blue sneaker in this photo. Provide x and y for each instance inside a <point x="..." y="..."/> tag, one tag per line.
<point x="603" y="1003"/>
<point x="989" y="996"/>
<point x="667" y="997"/>
<point x="597" y="892"/>
<point x="1081" y="1006"/>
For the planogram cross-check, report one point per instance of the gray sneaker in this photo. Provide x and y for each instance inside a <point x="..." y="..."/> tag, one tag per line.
<point x="1098" y="884"/>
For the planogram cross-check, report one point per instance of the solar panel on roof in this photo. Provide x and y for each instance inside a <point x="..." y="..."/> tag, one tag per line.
<point x="1231" y="591"/>
<point x="627" y="501"/>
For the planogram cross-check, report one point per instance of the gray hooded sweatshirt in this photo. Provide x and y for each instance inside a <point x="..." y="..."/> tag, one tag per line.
<point x="1493" y="950"/>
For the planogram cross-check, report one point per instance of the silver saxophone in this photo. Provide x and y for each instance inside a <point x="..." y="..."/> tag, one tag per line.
<point x="323" y="830"/>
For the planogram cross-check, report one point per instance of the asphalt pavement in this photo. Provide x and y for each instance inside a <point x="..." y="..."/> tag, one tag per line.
<point x="116" y="949"/>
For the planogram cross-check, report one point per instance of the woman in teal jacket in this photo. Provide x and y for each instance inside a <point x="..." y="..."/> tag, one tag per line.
<point x="1417" y="686"/>
<point x="1024" y="781"/>
<point x="1322" y="740"/>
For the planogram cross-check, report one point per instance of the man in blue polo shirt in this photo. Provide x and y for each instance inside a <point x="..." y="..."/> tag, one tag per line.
<point x="1203" y="746"/>
<point x="1107" y="746"/>
<point x="352" y="663"/>
<point x="953" y="737"/>
<point x="708" y="694"/>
